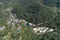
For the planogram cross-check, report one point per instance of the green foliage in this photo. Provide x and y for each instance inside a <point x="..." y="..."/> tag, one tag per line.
<point x="2" y="19"/>
<point x="9" y="33"/>
<point x="52" y="3"/>
<point x="35" y="11"/>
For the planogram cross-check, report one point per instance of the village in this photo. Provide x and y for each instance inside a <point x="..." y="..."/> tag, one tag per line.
<point x="29" y="19"/>
<point x="13" y="20"/>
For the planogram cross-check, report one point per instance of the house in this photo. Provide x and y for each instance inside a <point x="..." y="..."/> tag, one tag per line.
<point x="1" y="3"/>
<point x="1" y="28"/>
<point x="31" y="24"/>
<point x="51" y="30"/>
<point x="42" y="29"/>
<point x="35" y="30"/>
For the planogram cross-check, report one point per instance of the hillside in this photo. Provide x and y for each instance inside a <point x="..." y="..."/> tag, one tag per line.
<point x="36" y="12"/>
<point x="44" y="14"/>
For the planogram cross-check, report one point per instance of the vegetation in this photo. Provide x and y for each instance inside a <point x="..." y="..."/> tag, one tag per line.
<point x="34" y="11"/>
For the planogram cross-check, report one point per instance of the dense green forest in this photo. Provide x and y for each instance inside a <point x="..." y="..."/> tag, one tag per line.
<point x="34" y="11"/>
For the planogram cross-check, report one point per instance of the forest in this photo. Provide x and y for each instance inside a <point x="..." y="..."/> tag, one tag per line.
<point x="46" y="12"/>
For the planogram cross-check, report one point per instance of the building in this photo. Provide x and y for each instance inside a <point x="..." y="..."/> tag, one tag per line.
<point x="42" y="29"/>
